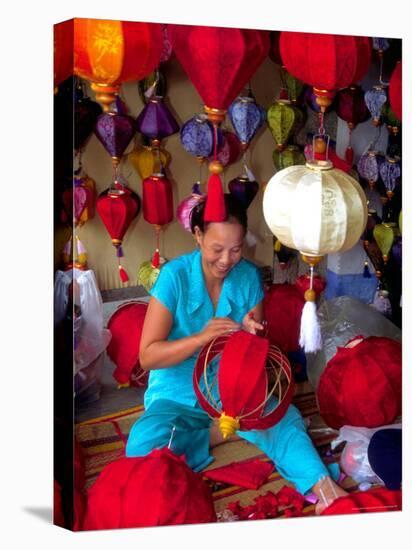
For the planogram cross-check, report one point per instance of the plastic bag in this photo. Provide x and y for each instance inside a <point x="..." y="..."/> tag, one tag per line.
<point x="354" y="458"/>
<point x="341" y="319"/>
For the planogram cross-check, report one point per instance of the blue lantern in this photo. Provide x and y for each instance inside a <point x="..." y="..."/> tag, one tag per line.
<point x="375" y="99"/>
<point x="246" y="118"/>
<point x="390" y="172"/>
<point x="197" y="136"/>
<point x="380" y="44"/>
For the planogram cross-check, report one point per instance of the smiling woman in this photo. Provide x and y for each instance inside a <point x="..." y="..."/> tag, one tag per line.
<point x="198" y="297"/>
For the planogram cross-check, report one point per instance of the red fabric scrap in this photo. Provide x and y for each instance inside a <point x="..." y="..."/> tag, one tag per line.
<point x="250" y="474"/>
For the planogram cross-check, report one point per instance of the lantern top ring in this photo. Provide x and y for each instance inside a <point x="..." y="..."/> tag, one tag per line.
<point x="320" y="165"/>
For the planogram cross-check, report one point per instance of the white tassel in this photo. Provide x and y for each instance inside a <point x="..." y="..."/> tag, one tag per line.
<point x="310" y="336"/>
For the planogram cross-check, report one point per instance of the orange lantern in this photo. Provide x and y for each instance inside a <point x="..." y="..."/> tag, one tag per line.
<point x="111" y="52"/>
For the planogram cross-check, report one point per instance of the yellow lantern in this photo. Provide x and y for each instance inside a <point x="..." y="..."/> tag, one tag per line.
<point x="317" y="210"/>
<point x="148" y="160"/>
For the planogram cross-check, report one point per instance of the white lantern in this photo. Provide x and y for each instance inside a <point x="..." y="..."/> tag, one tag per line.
<point x="316" y="209"/>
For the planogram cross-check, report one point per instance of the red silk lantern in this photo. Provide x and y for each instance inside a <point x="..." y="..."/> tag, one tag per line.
<point x="117" y="208"/>
<point x="361" y="385"/>
<point x="395" y="91"/>
<point x="230" y="149"/>
<point x="375" y="500"/>
<point x="325" y="61"/>
<point x="157" y="489"/>
<point x="157" y="200"/>
<point x="111" y="52"/>
<point x="302" y="283"/>
<point x="282" y="306"/>
<point x="353" y="110"/>
<point x="244" y="383"/>
<point x="126" y="325"/>
<point x="63" y="51"/>
<point x="219" y="61"/>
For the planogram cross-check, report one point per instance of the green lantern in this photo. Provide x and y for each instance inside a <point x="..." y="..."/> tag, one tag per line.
<point x="389" y="118"/>
<point x="282" y="120"/>
<point x="384" y="236"/>
<point x="293" y="85"/>
<point x="291" y="156"/>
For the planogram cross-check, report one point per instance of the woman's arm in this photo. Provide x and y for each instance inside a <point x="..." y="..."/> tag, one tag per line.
<point x="156" y="352"/>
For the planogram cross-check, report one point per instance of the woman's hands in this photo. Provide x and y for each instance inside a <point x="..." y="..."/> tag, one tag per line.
<point x="216" y="327"/>
<point x="249" y="324"/>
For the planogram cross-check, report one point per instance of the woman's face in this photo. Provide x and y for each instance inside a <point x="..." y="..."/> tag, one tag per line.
<point x="221" y="247"/>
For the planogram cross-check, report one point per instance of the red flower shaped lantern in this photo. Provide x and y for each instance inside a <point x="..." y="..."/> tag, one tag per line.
<point x="325" y="61"/>
<point x="111" y="52"/>
<point x="245" y="382"/>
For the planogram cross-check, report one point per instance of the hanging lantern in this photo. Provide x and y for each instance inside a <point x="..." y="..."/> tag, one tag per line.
<point x="147" y="160"/>
<point x="351" y="108"/>
<point x="229" y="151"/>
<point x="115" y="132"/>
<point x="78" y="201"/>
<point x="392" y="122"/>
<point x="281" y="119"/>
<point x="74" y="254"/>
<point x="293" y="85"/>
<point x="157" y="210"/>
<point x="86" y="113"/>
<point x="368" y="167"/>
<point x="375" y="255"/>
<point x="384" y="236"/>
<point x="153" y="85"/>
<point x="63" y="51"/>
<point x="156" y="121"/>
<point x="395" y="91"/>
<point x="197" y="137"/>
<point x="373" y="219"/>
<point x="325" y="61"/>
<point x="390" y="172"/>
<point x="218" y="61"/>
<point x="244" y="190"/>
<point x="375" y="100"/>
<point x="290" y="156"/>
<point x="396" y="252"/>
<point x="362" y="384"/>
<point x="297" y="195"/>
<point x="245" y="372"/>
<point x="123" y="350"/>
<point x="246" y="118"/>
<point x="185" y="207"/>
<point x="380" y="44"/>
<point x="108" y="53"/>
<point x="117" y="208"/>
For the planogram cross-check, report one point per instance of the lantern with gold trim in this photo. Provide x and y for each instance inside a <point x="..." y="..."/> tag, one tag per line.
<point x="219" y="62"/>
<point x="390" y="172"/>
<point x="149" y="159"/>
<point x="296" y="196"/>
<point x="351" y="108"/>
<point x="283" y="118"/>
<point x="157" y="210"/>
<point x="108" y="53"/>
<point x="375" y="99"/>
<point x="243" y="381"/>
<point x="117" y="208"/>
<point x="290" y="156"/>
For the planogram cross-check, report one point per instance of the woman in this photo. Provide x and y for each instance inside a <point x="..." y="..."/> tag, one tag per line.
<point x="197" y="297"/>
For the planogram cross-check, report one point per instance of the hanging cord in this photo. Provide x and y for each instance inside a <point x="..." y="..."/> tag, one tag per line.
<point x="215" y="142"/>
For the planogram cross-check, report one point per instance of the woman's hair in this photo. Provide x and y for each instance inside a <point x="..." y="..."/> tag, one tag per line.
<point x="234" y="209"/>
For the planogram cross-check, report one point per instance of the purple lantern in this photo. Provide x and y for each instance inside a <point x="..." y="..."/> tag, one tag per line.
<point x="156" y="121"/>
<point x="375" y="99"/>
<point x="197" y="136"/>
<point x="368" y="167"/>
<point x="380" y="44"/>
<point x="229" y="150"/>
<point x="244" y="190"/>
<point x="390" y="172"/>
<point x="185" y="207"/>
<point x="115" y="132"/>
<point x="396" y="252"/>
<point x="246" y="118"/>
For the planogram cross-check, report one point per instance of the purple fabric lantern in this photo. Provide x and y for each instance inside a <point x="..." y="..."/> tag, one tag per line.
<point x="156" y="121"/>
<point x="375" y="99"/>
<point x="390" y="172"/>
<point x="115" y="132"/>
<point x="246" y="118"/>
<point x="229" y="150"/>
<point x="80" y="197"/>
<point x="244" y="190"/>
<point x="185" y="207"/>
<point x="197" y="136"/>
<point x="368" y="167"/>
<point x="380" y="44"/>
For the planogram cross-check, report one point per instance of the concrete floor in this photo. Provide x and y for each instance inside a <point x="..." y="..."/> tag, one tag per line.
<point x="111" y="399"/>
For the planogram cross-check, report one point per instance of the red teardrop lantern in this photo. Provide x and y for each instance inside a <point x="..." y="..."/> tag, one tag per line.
<point x="360" y="502"/>
<point x="395" y="91"/>
<point x="362" y="384"/>
<point x="244" y="382"/>
<point x="111" y="52"/>
<point x="117" y="208"/>
<point x="157" y="489"/>
<point x="157" y="200"/>
<point x="351" y="108"/>
<point x="126" y="325"/>
<point x="325" y="61"/>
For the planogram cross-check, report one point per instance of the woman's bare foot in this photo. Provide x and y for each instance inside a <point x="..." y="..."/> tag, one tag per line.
<point x="327" y="491"/>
